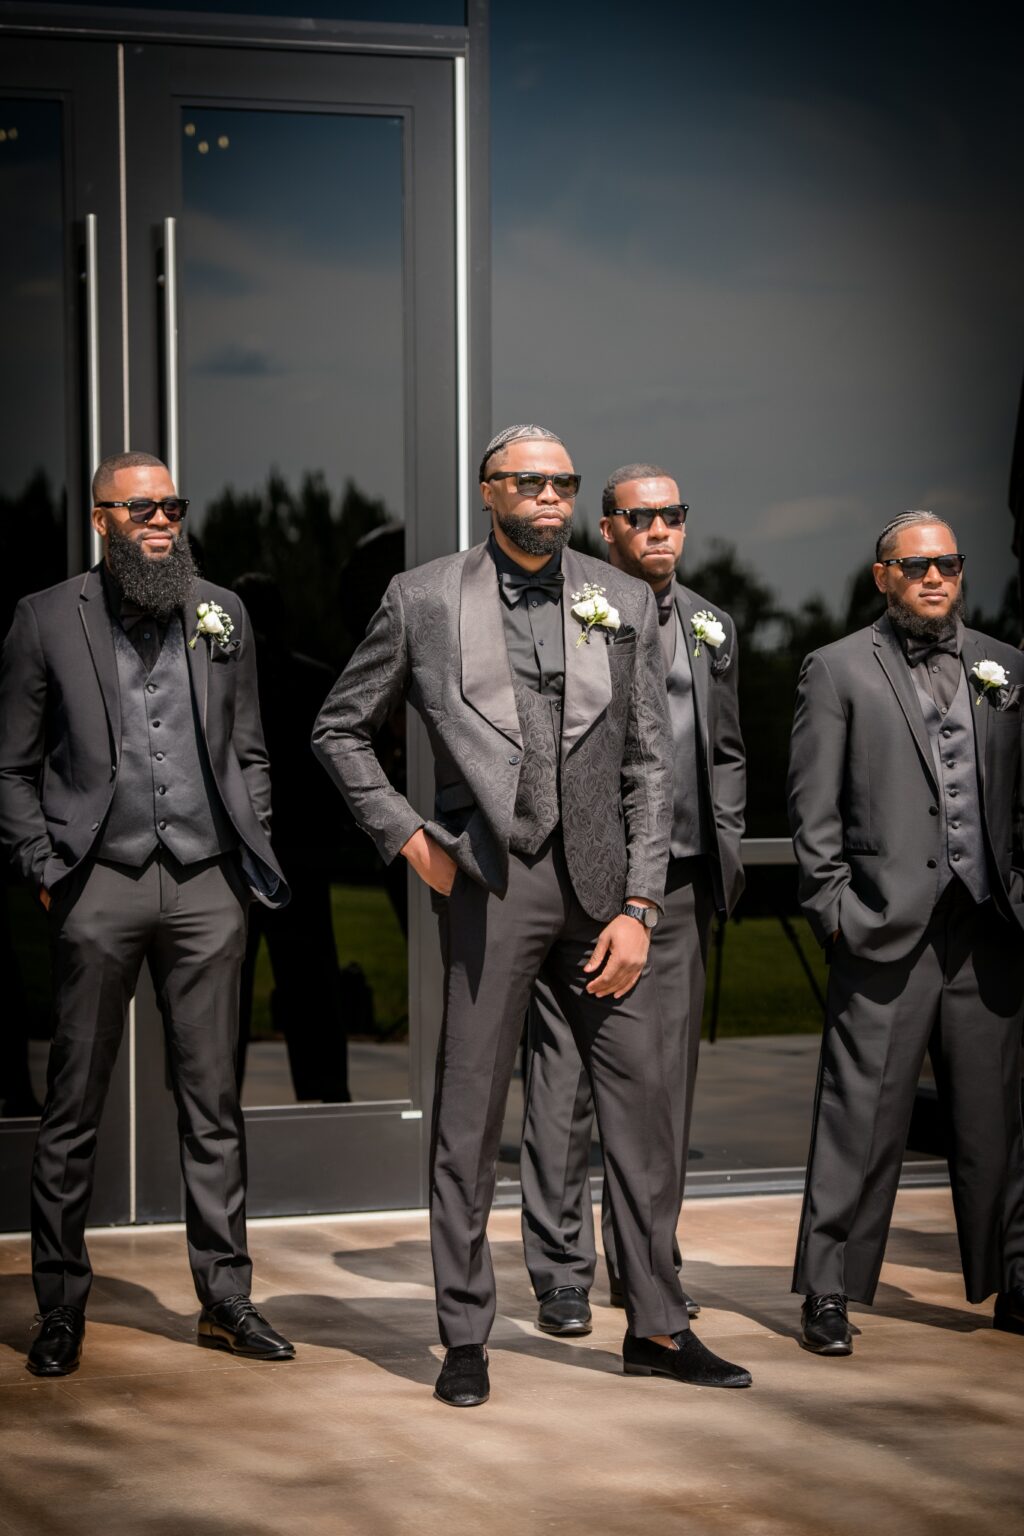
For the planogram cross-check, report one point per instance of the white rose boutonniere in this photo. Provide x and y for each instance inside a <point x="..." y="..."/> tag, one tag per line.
<point x="707" y="630"/>
<point x="594" y="611"/>
<point x="987" y="675"/>
<point x="214" y="623"/>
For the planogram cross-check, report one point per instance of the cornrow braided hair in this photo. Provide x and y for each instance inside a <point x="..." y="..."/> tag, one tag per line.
<point x="524" y="432"/>
<point x="886" y="542"/>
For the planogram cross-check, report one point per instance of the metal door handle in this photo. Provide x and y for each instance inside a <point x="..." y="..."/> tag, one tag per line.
<point x="169" y="282"/>
<point x="90" y="277"/>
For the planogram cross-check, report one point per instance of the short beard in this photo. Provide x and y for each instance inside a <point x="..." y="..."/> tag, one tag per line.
<point x="533" y="541"/>
<point x="156" y="586"/>
<point x="918" y="625"/>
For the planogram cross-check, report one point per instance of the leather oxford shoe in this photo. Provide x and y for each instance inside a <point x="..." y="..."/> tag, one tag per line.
<point x="690" y="1361"/>
<point x="617" y="1296"/>
<point x="564" y="1311"/>
<point x="235" y="1325"/>
<point x="57" y="1347"/>
<point x="825" y="1326"/>
<point x="463" y="1382"/>
<point x="1009" y="1312"/>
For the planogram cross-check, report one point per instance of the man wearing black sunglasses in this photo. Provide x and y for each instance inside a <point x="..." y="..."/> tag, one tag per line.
<point x="538" y="675"/>
<point x="135" y="799"/>
<point x="906" y="798"/>
<point x="643" y="523"/>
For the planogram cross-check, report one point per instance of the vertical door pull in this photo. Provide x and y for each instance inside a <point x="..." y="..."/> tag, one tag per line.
<point x="90" y="277"/>
<point x="169" y="282"/>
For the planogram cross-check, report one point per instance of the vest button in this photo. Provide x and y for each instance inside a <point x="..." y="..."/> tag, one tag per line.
<point x="162" y="825"/>
<point x="159" y="757"/>
<point x="955" y="825"/>
<point x="151" y="687"/>
<point x="956" y="858"/>
<point x="156" y="725"/>
<point x="162" y="790"/>
<point x="947" y="732"/>
<point x="931" y="863"/>
<point x="514" y="760"/>
<point x="952" y="794"/>
<point x="933" y="810"/>
<point x="95" y="826"/>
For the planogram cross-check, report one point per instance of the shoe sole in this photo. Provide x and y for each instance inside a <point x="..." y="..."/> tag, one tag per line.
<point x="477" y="1402"/>
<point x="44" y="1371"/>
<point x="211" y="1341"/>
<point x="835" y="1350"/>
<point x="567" y="1330"/>
<point x="651" y="1370"/>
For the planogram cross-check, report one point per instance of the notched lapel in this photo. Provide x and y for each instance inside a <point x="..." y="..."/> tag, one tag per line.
<point x="893" y="664"/>
<point x="486" y="672"/>
<point x="588" y="677"/>
<point x="698" y="665"/>
<point x="198" y="666"/>
<point x="92" y="610"/>
<point x="973" y="652"/>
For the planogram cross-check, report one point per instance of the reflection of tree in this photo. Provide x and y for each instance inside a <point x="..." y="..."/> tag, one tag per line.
<point x="34" y="552"/>
<point x="302" y="539"/>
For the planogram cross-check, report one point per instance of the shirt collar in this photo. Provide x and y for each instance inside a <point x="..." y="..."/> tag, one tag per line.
<point x="666" y="601"/>
<point x="506" y="566"/>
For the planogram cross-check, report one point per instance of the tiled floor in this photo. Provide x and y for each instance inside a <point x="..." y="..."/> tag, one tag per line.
<point x="918" y="1434"/>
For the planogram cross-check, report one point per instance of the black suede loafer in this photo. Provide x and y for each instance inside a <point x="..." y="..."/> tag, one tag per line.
<point x="564" y="1311"/>
<point x="1009" y="1313"/>
<point x="463" y="1382"/>
<point x="689" y="1362"/>
<point x="57" y="1347"/>
<point x="236" y="1325"/>
<point x="825" y="1327"/>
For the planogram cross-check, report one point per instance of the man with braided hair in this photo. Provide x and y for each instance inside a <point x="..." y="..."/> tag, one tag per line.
<point x="906" y="798"/>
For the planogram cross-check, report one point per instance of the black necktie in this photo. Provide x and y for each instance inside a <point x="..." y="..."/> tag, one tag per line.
<point x="515" y="583"/>
<point x="919" y="650"/>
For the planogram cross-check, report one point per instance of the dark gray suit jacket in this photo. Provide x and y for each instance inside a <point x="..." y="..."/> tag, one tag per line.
<point x="863" y="797"/>
<point x="720" y="751"/>
<point x="438" y="639"/>
<point x="60" y="731"/>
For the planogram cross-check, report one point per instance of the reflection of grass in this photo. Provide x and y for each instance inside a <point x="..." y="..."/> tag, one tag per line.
<point x="764" y="991"/>
<point x="366" y="931"/>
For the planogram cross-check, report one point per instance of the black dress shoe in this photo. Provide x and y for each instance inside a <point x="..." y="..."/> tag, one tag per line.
<point x="692" y="1307"/>
<point x="1009" y="1313"/>
<point x="564" y="1311"/>
<point x="689" y="1362"/>
<point x="825" y="1326"/>
<point x="57" y="1347"/>
<point x="463" y="1382"/>
<point x="236" y="1325"/>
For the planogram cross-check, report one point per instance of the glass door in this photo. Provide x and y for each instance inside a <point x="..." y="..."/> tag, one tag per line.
<point x="291" y="303"/>
<point x="60" y="387"/>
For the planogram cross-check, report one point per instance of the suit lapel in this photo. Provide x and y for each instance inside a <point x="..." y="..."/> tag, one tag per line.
<point x="698" y="667"/>
<point x="486" y="673"/>
<point x="92" y="610"/>
<point x="198" y="662"/>
<point x="588" y="678"/>
<point x="973" y="652"/>
<point x="894" y="665"/>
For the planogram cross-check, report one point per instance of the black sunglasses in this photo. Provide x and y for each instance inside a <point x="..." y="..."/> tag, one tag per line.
<point x="530" y="482"/>
<point x="916" y="567"/>
<point x="641" y="518"/>
<point x="142" y="508"/>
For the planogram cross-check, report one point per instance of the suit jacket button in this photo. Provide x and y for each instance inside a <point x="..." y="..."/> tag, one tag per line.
<point x="931" y="864"/>
<point x="95" y="826"/>
<point x="514" y="760"/>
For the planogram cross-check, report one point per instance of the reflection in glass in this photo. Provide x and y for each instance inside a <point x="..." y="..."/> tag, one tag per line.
<point x="33" y="513"/>
<point x="291" y="278"/>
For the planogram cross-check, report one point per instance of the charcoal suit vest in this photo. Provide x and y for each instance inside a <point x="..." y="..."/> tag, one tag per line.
<point x="538" y="805"/>
<point x="687" y="787"/>
<point x="961" y="839"/>
<point x="165" y="793"/>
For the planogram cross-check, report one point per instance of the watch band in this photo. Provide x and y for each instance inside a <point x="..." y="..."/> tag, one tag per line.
<point x="646" y="915"/>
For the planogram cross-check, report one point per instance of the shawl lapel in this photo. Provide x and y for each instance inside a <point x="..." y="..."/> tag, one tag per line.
<point x="486" y="672"/>
<point x="893" y="663"/>
<point x="588" y="679"/>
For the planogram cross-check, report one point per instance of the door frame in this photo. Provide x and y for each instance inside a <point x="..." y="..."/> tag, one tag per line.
<point x="295" y="1183"/>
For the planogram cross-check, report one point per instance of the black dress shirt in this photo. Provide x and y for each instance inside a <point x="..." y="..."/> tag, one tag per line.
<point x="669" y="631"/>
<point x="145" y="632"/>
<point x="532" y="611"/>
<point x="936" y="670"/>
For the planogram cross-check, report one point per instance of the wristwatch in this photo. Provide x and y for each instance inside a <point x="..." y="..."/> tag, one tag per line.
<point x="646" y="915"/>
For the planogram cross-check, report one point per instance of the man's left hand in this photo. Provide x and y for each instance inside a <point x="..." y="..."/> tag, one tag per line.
<point x="622" y="949"/>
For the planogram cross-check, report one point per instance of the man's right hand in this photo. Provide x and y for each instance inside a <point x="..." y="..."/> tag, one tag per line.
<point x="45" y="898"/>
<point x="430" y="862"/>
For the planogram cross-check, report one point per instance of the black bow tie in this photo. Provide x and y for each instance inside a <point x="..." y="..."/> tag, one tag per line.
<point x="515" y="583"/>
<point x="919" y="651"/>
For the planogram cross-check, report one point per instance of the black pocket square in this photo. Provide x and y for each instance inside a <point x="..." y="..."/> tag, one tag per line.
<point x="624" y="632"/>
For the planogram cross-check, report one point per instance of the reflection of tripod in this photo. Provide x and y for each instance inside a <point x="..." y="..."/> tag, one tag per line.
<point x="770" y="891"/>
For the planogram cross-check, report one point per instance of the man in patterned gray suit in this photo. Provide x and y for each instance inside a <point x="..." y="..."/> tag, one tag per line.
<point x="906" y="797"/>
<point x="537" y="674"/>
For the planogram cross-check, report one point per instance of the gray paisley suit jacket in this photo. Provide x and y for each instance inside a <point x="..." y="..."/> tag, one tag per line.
<point x="438" y="640"/>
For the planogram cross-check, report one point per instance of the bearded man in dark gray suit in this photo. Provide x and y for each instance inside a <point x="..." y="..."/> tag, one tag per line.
<point x="537" y="674"/>
<point x="135" y="801"/>
<point x="644" y="524"/>
<point x="906" y="799"/>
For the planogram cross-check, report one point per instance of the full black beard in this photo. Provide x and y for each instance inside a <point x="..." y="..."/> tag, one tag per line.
<point x="531" y="540"/>
<point x="156" y="586"/>
<point x="923" y="628"/>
